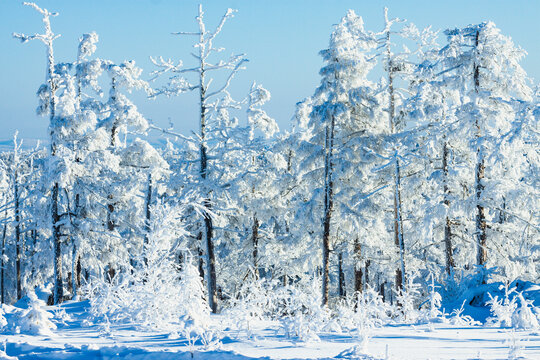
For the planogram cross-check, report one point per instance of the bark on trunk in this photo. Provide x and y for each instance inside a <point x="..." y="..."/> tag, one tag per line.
<point x="398" y="229"/>
<point x="255" y="242"/>
<point x="75" y="256"/>
<point x="58" y="282"/>
<point x="210" y="260"/>
<point x="2" y="270"/>
<point x="201" y="256"/>
<point x="328" y="204"/>
<point x="341" y="276"/>
<point x="447" y="228"/>
<point x="17" y="235"/>
<point x="110" y="211"/>
<point x="358" y="276"/>
<point x="398" y="225"/>
<point x="211" y="264"/>
<point x="79" y="271"/>
<point x="366" y="272"/>
<point x="481" y="225"/>
<point x="72" y="276"/>
<point x="147" y="220"/>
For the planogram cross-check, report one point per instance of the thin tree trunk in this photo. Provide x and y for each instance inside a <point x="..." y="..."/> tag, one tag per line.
<point x="366" y="272"/>
<point x="450" y="265"/>
<point x="211" y="264"/>
<point x="328" y="204"/>
<point x="111" y="272"/>
<point x="75" y="256"/>
<point x="2" y="274"/>
<point x="58" y="282"/>
<point x="481" y="226"/>
<point x="73" y="270"/>
<point x="201" y="256"/>
<point x="58" y="292"/>
<point x="341" y="276"/>
<point x="211" y="260"/>
<point x="255" y="242"/>
<point x="79" y="271"/>
<point x="358" y="276"/>
<point x="110" y="211"/>
<point x="17" y="234"/>
<point x="148" y="214"/>
<point x="398" y="225"/>
<point x="398" y="229"/>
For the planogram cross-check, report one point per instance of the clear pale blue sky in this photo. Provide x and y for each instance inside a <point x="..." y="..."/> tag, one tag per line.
<point x="280" y="37"/>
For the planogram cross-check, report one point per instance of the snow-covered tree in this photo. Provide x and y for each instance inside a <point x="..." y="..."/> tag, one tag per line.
<point x="343" y="108"/>
<point x="48" y="93"/>
<point x="210" y="96"/>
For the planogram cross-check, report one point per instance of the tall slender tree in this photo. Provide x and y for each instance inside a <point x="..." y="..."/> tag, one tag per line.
<point x="49" y="93"/>
<point x="207" y="104"/>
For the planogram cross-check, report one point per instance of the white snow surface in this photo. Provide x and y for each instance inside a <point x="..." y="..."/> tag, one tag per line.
<point x="78" y="337"/>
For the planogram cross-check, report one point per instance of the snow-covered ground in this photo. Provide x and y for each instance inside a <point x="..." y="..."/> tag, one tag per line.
<point x="76" y="337"/>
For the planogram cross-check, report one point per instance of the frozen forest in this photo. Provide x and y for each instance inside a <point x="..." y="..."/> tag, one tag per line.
<point x="398" y="218"/>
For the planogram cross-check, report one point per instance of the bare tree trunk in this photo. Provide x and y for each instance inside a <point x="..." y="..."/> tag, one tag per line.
<point x="328" y="204"/>
<point x="78" y="271"/>
<point x="450" y="265"/>
<point x="201" y="256"/>
<point x="72" y="275"/>
<point x="358" y="276"/>
<point x="210" y="257"/>
<point x="111" y="272"/>
<point x="58" y="282"/>
<point x="382" y="292"/>
<point x="75" y="256"/>
<point x="326" y="255"/>
<point x="481" y="225"/>
<point x="17" y="234"/>
<point x="255" y="242"/>
<point x="2" y="274"/>
<point x="398" y="229"/>
<point x="398" y="225"/>
<point x="148" y="214"/>
<point x="341" y="276"/>
<point x="366" y="272"/>
<point x="110" y="211"/>
<point x="211" y="264"/>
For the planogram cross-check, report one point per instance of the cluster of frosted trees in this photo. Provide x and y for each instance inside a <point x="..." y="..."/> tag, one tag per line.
<point x="432" y="169"/>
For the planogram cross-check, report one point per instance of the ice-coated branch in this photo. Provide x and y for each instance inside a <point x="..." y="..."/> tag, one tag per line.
<point x="172" y="133"/>
<point x="228" y="14"/>
<point x="45" y="38"/>
<point x="164" y="66"/>
<point x="237" y="68"/>
<point x="43" y="12"/>
<point x="389" y="22"/>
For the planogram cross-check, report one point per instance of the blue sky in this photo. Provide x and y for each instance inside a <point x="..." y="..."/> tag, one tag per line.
<point x="280" y="37"/>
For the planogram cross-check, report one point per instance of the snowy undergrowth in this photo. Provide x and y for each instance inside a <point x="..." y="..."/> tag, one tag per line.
<point x="157" y="292"/>
<point x="513" y="310"/>
<point x="34" y="320"/>
<point x="362" y="311"/>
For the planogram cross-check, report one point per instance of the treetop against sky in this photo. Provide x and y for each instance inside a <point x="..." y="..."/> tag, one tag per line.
<point x="281" y="39"/>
